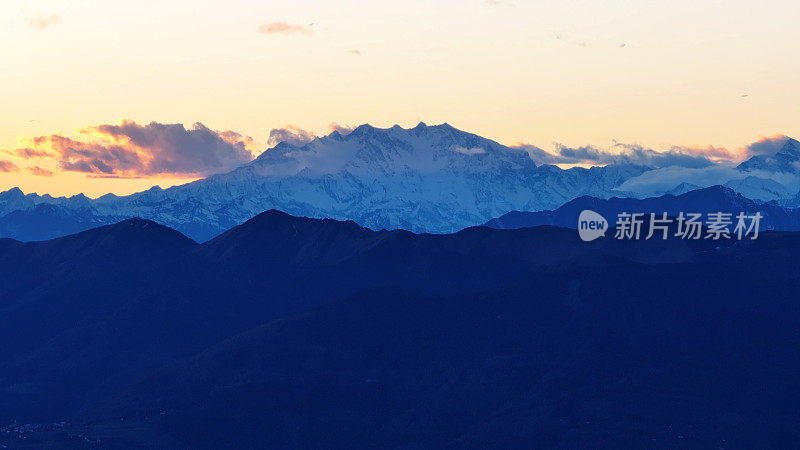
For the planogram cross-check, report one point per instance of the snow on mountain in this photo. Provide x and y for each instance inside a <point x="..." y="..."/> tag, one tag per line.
<point x="425" y="179"/>
<point x="786" y="160"/>
<point x="763" y="177"/>
<point x="682" y="189"/>
<point x="759" y="189"/>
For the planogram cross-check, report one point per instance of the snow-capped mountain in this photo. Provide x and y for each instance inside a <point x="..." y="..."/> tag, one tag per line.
<point x="682" y="188"/>
<point x="763" y="178"/>
<point x="427" y="179"/>
<point x="786" y="160"/>
<point x="759" y="189"/>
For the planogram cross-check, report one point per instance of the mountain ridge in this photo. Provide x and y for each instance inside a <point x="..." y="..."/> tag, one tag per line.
<point x="706" y="200"/>
<point x="424" y="179"/>
<point x="316" y="331"/>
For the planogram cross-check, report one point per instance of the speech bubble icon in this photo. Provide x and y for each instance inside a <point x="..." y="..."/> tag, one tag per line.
<point x="591" y="225"/>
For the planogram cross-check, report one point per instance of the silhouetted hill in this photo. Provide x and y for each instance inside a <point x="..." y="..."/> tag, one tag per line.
<point x="49" y="288"/>
<point x="711" y="199"/>
<point x="298" y="332"/>
<point x="604" y="357"/>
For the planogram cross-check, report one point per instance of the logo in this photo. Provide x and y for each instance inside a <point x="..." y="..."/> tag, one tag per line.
<point x="635" y="226"/>
<point x="591" y="225"/>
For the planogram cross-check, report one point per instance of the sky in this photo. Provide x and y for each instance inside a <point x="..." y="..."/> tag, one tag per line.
<point x="145" y="83"/>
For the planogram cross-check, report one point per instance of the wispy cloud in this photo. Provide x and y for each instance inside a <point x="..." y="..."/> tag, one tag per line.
<point x="130" y="150"/>
<point x="294" y="135"/>
<point x="40" y="172"/>
<point x="694" y="157"/>
<point x="716" y="154"/>
<point x="342" y="129"/>
<point x="43" y="22"/>
<point x="289" y="134"/>
<point x="354" y="52"/>
<point x="540" y="156"/>
<point x="469" y="151"/>
<point x="8" y="166"/>
<point x="627" y="154"/>
<point x="283" y="28"/>
<point x="28" y="153"/>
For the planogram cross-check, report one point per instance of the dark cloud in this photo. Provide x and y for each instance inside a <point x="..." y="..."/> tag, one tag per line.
<point x="586" y="153"/>
<point x="132" y="150"/>
<point x="636" y="154"/>
<point x="289" y="134"/>
<point x="8" y="166"/>
<point x="354" y="52"/>
<point x="625" y="154"/>
<point x="766" y="145"/>
<point x="283" y="28"/>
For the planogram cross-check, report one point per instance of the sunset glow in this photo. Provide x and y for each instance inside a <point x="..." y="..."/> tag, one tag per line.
<point x="707" y="75"/>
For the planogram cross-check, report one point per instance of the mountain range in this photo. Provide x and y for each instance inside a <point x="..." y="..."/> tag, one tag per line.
<point x="424" y="179"/>
<point x="295" y="332"/>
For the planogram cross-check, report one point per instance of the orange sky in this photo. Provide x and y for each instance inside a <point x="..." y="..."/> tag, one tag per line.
<point x="691" y="73"/>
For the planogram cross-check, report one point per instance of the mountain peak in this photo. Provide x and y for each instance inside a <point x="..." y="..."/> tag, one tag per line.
<point x="134" y="241"/>
<point x="791" y="147"/>
<point x="785" y="160"/>
<point x="272" y="214"/>
<point x="14" y="192"/>
<point x="283" y="236"/>
<point x="362" y="129"/>
<point x="136" y="236"/>
<point x="136" y="228"/>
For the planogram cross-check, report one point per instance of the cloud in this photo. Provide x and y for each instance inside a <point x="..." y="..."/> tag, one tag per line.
<point x="283" y="28"/>
<point x="766" y="145"/>
<point x="297" y="136"/>
<point x="655" y="182"/>
<point x="43" y="22"/>
<point x="354" y="52"/>
<point x="716" y="154"/>
<point x="540" y="156"/>
<point x="623" y="154"/>
<point x="128" y="150"/>
<point x="38" y="171"/>
<point x="8" y="166"/>
<point x="28" y="153"/>
<point x="469" y="151"/>
<point x="585" y="154"/>
<point x="636" y="154"/>
<point x="342" y="129"/>
<point x="291" y="135"/>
